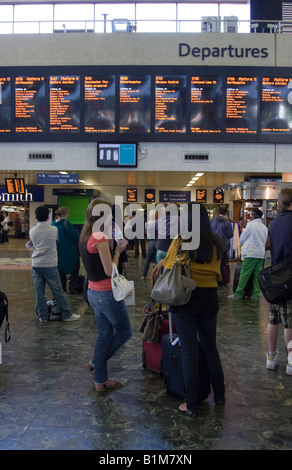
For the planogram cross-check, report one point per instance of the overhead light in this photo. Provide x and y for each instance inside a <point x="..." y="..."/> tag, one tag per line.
<point x="199" y="174"/>
<point x="82" y="181"/>
<point x="63" y="172"/>
<point x="195" y="178"/>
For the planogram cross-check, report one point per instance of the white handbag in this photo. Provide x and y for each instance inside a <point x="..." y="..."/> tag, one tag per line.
<point x="121" y="287"/>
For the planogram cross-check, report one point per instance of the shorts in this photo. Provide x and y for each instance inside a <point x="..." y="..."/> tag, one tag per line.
<point x="281" y="313"/>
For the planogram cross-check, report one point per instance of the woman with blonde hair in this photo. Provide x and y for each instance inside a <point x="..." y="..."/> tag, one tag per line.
<point x="99" y="251"/>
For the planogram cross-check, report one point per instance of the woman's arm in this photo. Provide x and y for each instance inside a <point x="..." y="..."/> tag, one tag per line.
<point x="105" y="255"/>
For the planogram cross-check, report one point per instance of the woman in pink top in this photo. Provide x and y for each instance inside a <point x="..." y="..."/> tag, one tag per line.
<point x="99" y="250"/>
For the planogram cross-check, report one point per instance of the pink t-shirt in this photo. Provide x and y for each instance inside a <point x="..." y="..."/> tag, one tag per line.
<point x="91" y="246"/>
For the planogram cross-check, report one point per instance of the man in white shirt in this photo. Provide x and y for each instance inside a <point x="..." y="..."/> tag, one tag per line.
<point x="43" y="237"/>
<point x="253" y="241"/>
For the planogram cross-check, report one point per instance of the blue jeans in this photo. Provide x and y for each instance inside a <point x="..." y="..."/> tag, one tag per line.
<point x="40" y="277"/>
<point x="151" y="255"/>
<point x="193" y="325"/>
<point x="114" y="329"/>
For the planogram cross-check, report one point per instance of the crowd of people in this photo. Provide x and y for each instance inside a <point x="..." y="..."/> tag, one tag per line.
<point x="56" y="251"/>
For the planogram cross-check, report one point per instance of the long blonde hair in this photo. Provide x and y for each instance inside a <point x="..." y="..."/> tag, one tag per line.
<point x="91" y="219"/>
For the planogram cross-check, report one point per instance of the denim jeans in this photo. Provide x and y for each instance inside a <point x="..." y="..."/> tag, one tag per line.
<point x="193" y="325"/>
<point x="114" y="329"/>
<point x="151" y="255"/>
<point x="42" y="276"/>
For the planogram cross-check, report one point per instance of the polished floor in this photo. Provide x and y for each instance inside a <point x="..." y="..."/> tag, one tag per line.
<point x="48" y="401"/>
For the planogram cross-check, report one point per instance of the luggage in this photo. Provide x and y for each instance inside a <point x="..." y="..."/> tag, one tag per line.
<point x="171" y="368"/>
<point x="53" y="310"/>
<point x="152" y="351"/>
<point x="276" y="282"/>
<point x="249" y="286"/>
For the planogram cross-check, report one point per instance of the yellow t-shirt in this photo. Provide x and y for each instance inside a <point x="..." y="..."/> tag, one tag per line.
<point x="205" y="275"/>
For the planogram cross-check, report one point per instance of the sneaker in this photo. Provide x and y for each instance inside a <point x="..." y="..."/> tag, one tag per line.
<point x="43" y="320"/>
<point x="289" y="364"/>
<point x="254" y="298"/>
<point x="273" y="361"/>
<point x="73" y="317"/>
<point x="233" y="297"/>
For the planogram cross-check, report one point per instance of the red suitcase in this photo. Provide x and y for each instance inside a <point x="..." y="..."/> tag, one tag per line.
<point x="152" y="352"/>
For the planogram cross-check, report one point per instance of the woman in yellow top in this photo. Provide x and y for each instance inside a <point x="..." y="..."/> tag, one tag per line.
<point x="197" y="319"/>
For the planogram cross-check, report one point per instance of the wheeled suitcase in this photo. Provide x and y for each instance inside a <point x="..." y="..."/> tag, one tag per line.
<point x="152" y="351"/>
<point x="171" y="368"/>
<point x="249" y="286"/>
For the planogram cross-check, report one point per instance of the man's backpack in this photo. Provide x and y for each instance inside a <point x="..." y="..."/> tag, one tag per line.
<point x="4" y="315"/>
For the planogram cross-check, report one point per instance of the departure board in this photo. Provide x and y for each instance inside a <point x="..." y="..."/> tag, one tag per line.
<point x="241" y="105"/>
<point x="276" y="105"/>
<point x="132" y="104"/>
<point x="206" y="105"/>
<point x="135" y="104"/>
<point x="30" y="106"/>
<point x="5" y="104"/>
<point x="64" y="103"/>
<point x="99" y="103"/>
<point x="170" y="104"/>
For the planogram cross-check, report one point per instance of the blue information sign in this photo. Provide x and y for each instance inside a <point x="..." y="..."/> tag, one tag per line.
<point x="57" y="178"/>
<point x="174" y="196"/>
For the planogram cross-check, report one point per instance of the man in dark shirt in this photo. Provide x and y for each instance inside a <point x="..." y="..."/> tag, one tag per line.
<point x="280" y="232"/>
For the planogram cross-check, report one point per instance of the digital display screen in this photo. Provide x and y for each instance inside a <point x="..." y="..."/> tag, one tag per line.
<point x="241" y="105"/>
<point x="135" y="104"/>
<point x="127" y="104"/>
<point x="276" y="105"/>
<point x="99" y="103"/>
<point x="5" y="104"/>
<point x="117" y="155"/>
<point x="206" y="104"/>
<point x="30" y="105"/>
<point x="170" y="104"/>
<point x="64" y="103"/>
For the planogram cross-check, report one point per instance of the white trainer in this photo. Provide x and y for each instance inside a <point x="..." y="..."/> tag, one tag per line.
<point x="273" y="361"/>
<point x="73" y="317"/>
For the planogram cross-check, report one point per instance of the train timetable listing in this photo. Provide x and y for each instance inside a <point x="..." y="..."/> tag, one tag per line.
<point x="241" y="105"/>
<point x="170" y="104"/>
<point x="30" y="104"/>
<point x="206" y="105"/>
<point x="276" y="105"/>
<point x="64" y="103"/>
<point x="135" y="92"/>
<point x="5" y="104"/>
<point x="99" y="103"/>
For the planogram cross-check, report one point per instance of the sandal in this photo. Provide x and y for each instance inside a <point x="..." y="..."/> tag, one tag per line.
<point x="91" y="368"/>
<point x="109" y="385"/>
<point x="183" y="409"/>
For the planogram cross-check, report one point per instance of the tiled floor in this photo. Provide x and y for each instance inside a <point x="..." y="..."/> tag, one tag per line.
<point x="47" y="398"/>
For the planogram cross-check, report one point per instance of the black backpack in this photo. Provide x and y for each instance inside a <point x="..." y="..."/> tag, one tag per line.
<point x="4" y="315"/>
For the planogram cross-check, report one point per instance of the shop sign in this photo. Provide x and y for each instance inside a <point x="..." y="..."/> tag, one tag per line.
<point x="31" y="194"/>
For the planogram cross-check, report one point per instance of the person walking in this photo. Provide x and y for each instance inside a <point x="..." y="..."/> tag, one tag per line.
<point x="224" y="230"/>
<point x="253" y="241"/>
<point x="43" y="237"/>
<point x="99" y="250"/>
<point x="197" y="320"/>
<point x="152" y="243"/>
<point x="68" y="250"/>
<point x="5" y="227"/>
<point x="280" y="232"/>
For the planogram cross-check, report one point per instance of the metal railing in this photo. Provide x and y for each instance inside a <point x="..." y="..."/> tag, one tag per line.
<point x="124" y="25"/>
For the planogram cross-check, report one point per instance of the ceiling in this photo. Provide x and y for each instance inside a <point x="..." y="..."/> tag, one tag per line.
<point x="150" y="179"/>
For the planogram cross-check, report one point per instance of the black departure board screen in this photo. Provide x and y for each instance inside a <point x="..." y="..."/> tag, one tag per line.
<point x="132" y="104"/>
<point x="64" y="103"/>
<point x="206" y="105"/>
<point x="5" y="104"/>
<point x="135" y="104"/>
<point x="170" y="104"/>
<point x="99" y="103"/>
<point x="241" y="104"/>
<point x="30" y="106"/>
<point x="276" y="106"/>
